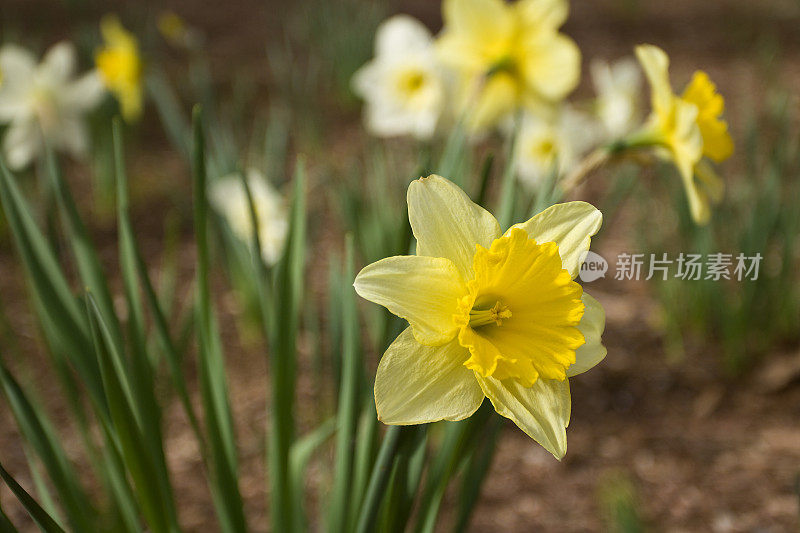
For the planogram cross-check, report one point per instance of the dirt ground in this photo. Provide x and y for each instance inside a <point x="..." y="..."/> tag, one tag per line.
<point x="702" y="452"/>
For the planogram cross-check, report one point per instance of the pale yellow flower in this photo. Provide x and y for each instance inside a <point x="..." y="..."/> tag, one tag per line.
<point x="120" y="64"/>
<point x="229" y="198"/>
<point x="553" y="145"/>
<point x="491" y="314"/>
<point x="688" y="127"/>
<point x="402" y="85"/>
<point x="618" y="86"/>
<point x="508" y="55"/>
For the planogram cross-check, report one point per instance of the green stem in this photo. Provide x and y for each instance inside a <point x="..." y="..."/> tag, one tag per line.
<point x="379" y="479"/>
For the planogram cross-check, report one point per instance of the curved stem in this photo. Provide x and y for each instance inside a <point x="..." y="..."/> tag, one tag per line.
<point x="590" y="163"/>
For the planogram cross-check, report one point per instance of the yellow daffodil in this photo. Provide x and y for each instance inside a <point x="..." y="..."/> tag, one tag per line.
<point x="491" y="314"/>
<point x="121" y="67"/>
<point x="689" y="127"/>
<point x="508" y="55"/>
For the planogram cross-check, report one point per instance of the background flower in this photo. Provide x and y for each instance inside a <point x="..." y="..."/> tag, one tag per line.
<point x="556" y="144"/>
<point x="508" y="55"/>
<point x="121" y="67"/>
<point x="403" y="85"/>
<point x="688" y="127"/>
<point x="229" y="198"/>
<point x="44" y="102"/>
<point x="618" y="87"/>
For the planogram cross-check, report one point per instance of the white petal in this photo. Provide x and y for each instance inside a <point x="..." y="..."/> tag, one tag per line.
<point x="591" y="325"/>
<point x="571" y="226"/>
<point x="59" y="62"/>
<point x="423" y="290"/>
<point x="541" y="411"/>
<point x="447" y="223"/>
<point x="400" y="35"/>
<point x="417" y="384"/>
<point x="17" y="63"/>
<point x="85" y="93"/>
<point x="72" y="136"/>
<point x="22" y="142"/>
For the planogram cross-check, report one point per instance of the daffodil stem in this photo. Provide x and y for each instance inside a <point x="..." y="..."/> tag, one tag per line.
<point x="379" y="478"/>
<point x="590" y="163"/>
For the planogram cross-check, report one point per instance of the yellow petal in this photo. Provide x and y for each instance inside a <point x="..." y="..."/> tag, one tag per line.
<point x="551" y="65"/>
<point x="592" y="325"/>
<point x="541" y="411"/>
<point x="417" y="384"/>
<point x="570" y="225"/>
<point x="478" y="25"/>
<point x="423" y="290"/>
<point x="656" y="67"/>
<point x="447" y="223"/>
<point x="537" y="13"/>
<point x="497" y="99"/>
<point x="701" y="91"/>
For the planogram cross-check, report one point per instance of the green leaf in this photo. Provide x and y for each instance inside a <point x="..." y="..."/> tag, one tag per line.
<point x="39" y="515"/>
<point x="139" y="462"/>
<point x="349" y="393"/>
<point x="39" y="435"/>
<point x="211" y="367"/>
<point x="59" y="311"/>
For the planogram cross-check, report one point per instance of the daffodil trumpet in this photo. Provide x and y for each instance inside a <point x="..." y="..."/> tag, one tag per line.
<point x="492" y="314"/>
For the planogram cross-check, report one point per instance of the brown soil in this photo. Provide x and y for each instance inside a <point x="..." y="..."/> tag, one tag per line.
<point x="702" y="452"/>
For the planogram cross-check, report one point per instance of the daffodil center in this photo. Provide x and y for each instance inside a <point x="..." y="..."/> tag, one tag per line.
<point x="540" y="337"/>
<point x="483" y="317"/>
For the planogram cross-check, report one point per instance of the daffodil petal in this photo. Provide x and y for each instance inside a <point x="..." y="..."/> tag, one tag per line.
<point x="447" y="223"/>
<point x="417" y="384"/>
<point x="548" y="13"/>
<point x="423" y="290"/>
<point x="542" y="411"/>
<point x="22" y="142"/>
<point x="655" y="64"/>
<point x="571" y="226"/>
<point x="59" y="61"/>
<point x="591" y="325"/>
<point x="552" y="65"/>
<point x="85" y="93"/>
<point x="400" y="35"/>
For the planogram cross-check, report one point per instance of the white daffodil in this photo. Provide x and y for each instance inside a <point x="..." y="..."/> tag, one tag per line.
<point x="44" y="102"/>
<point x="618" y="86"/>
<point x="547" y="145"/>
<point x="402" y="85"/>
<point x="228" y="196"/>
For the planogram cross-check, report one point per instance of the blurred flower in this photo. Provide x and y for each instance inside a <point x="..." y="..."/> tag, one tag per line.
<point x="121" y="67"/>
<point x="229" y="198"/>
<point x="617" y="86"/>
<point x="44" y="102"/>
<point x="491" y="315"/>
<point x="545" y="146"/>
<point x="688" y="128"/>
<point x="402" y="85"/>
<point x="175" y="30"/>
<point x="508" y="56"/>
